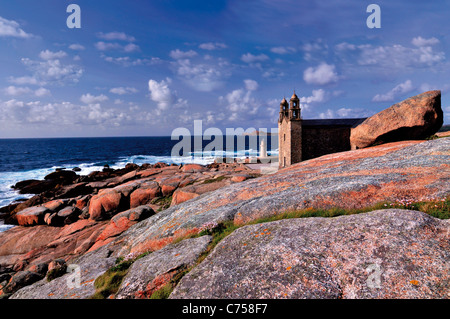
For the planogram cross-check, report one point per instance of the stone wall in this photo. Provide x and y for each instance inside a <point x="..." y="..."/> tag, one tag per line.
<point x="322" y="140"/>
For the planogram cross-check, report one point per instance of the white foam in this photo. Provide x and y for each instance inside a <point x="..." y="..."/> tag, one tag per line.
<point x="5" y="227"/>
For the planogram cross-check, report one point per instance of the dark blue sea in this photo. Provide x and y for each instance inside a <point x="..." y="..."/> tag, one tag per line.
<point x="22" y="159"/>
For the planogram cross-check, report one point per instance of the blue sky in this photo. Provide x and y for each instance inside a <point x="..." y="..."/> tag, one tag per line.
<point x="144" y="68"/>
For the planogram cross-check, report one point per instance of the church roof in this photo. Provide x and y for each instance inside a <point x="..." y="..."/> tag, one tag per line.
<point x="294" y="96"/>
<point x="333" y="122"/>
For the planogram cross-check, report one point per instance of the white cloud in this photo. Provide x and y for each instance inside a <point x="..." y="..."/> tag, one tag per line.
<point x="161" y="94"/>
<point x="10" y="28"/>
<point x="34" y="115"/>
<point x="283" y="50"/>
<point x="126" y="61"/>
<point x="421" y="42"/>
<point x="123" y="90"/>
<point x="42" y="92"/>
<point x="345" y="113"/>
<point x="321" y="75"/>
<point x="203" y="77"/>
<point x="22" y="80"/>
<point x="49" y="55"/>
<point x="51" y="71"/>
<point x="131" y="47"/>
<point x="212" y="46"/>
<point x="251" y="85"/>
<point x="316" y="50"/>
<point x="318" y="96"/>
<point x="242" y="106"/>
<point x="15" y="91"/>
<point x="91" y="99"/>
<point x="76" y="47"/>
<point x="104" y="46"/>
<point x="178" y="54"/>
<point x="396" y="92"/>
<point x="250" y="58"/>
<point x="121" y="36"/>
<point x="391" y="57"/>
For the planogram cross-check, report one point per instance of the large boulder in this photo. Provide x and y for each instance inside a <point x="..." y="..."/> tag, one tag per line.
<point x="35" y="186"/>
<point x="417" y="117"/>
<point x="32" y="216"/>
<point x="108" y="202"/>
<point x="121" y="222"/>
<point x="62" y="176"/>
<point x="193" y="168"/>
<point x="382" y="254"/>
<point x="79" y="283"/>
<point x="20" y="280"/>
<point x="192" y="191"/>
<point x="152" y="272"/>
<point x="146" y="191"/>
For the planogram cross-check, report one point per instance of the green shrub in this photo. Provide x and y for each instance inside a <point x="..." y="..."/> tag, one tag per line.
<point x="214" y="180"/>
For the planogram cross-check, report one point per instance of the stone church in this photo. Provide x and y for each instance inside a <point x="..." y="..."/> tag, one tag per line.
<point x="300" y="139"/>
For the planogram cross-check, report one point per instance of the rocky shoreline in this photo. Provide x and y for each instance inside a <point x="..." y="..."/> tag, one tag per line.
<point x="169" y="212"/>
<point x="71" y="214"/>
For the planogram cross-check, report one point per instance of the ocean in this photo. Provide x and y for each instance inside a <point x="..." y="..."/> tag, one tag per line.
<point x="34" y="158"/>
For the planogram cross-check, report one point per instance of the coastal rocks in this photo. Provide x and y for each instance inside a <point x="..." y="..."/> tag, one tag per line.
<point x="32" y="216"/>
<point x="53" y="213"/>
<point x="121" y="222"/>
<point x="240" y="178"/>
<point x="152" y="272"/>
<point x="34" y="186"/>
<point x="193" y="168"/>
<point x="106" y="203"/>
<point x="56" y="204"/>
<point x="145" y="192"/>
<point x="82" y="219"/>
<point x="20" y="280"/>
<point x="354" y="179"/>
<point x="69" y="214"/>
<point x="56" y="268"/>
<point x="381" y="254"/>
<point x="78" y="284"/>
<point x="26" y="247"/>
<point x="62" y="176"/>
<point x="181" y="195"/>
<point x="417" y="117"/>
<point x="191" y="191"/>
<point x="73" y="190"/>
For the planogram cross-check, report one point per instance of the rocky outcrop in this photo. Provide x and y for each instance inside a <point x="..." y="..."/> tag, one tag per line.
<point x="32" y="216"/>
<point x="354" y="179"/>
<point x="67" y="227"/>
<point x="77" y="284"/>
<point x="417" y="117"/>
<point x="152" y="272"/>
<point x="381" y="254"/>
<point x="121" y="222"/>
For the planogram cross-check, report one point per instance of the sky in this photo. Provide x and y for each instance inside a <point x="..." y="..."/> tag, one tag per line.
<point x="145" y="68"/>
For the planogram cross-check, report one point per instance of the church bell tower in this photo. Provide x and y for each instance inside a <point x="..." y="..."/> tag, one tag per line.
<point x="289" y="132"/>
